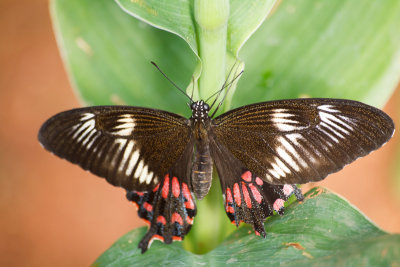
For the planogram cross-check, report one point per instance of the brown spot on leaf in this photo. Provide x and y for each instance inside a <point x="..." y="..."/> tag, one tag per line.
<point x="295" y="245"/>
<point x="84" y="46"/>
<point x="307" y="255"/>
<point x="384" y="252"/>
<point x="316" y="191"/>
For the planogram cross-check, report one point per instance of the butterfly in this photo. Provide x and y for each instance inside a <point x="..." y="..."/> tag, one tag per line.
<point x="261" y="151"/>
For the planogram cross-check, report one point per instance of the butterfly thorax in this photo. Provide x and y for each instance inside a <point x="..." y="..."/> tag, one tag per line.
<point x="202" y="164"/>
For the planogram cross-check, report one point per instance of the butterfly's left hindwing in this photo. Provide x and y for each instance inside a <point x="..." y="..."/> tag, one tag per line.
<point x="131" y="147"/>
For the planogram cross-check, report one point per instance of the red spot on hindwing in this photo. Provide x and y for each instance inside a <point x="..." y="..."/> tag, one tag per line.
<point x="247" y="176"/>
<point x="287" y="189"/>
<point x="256" y="194"/>
<point x="189" y="204"/>
<point x="229" y="201"/>
<point x="246" y="195"/>
<point x="157" y="237"/>
<point x="236" y="194"/>
<point x="156" y="188"/>
<point x="229" y="198"/>
<point x="175" y="187"/>
<point x="161" y="219"/>
<point x="229" y="209"/>
<point x="278" y="204"/>
<point x="148" y="206"/>
<point x="139" y="193"/>
<point x="259" y="181"/>
<point x="185" y="191"/>
<point x="165" y="188"/>
<point x="189" y="220"/>
<point x="177" y="218"/>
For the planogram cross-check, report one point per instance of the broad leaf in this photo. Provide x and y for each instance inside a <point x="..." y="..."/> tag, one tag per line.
<point x="177" y="17"/>
<point x="348" y="49"/>
<point x="324" y="228"/>
<point x="341" y="49"/>
<point x="108" y="54"/>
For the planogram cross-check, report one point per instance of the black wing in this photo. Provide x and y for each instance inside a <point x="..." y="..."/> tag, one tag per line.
<point x="170" y="207"/>
<point x="146" y="151"/>
<point x="301" y="140"/>
<point x="131" y="147"/>
<point x="247" y="197"/>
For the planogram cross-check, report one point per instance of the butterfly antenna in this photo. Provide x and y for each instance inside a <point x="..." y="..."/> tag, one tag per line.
<point x="222" y="88"/>
<point x="227" y="91"/>
<point x="191" y="97"/>
<point x="176" y="86"/>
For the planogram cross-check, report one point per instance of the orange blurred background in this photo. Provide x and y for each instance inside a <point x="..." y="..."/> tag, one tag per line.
<point x="55" y="214"/>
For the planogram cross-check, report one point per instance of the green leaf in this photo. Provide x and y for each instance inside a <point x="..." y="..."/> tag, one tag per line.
<point x="340" y="49"/>
<point x="324" y="228"/>
<point x="211" y="28"/>
<point x="177" y="17"/>
<point x="344" y="48"/>
<point x="107" y="54"/>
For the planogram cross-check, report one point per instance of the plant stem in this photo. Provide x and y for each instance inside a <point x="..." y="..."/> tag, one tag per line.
<point x="211" y="16"/>
<point x="212" y="21"/>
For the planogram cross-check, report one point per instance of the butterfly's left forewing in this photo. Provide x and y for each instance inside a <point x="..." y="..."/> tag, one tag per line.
<point x="146" y="151"/>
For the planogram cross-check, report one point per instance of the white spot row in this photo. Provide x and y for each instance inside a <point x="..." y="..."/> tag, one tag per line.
<point x="83" y="129"/>
<point x="130" y="160"/>
<point x="288" y="156"/>
<point x="328" y="108"/>
<point x="283" y="122"/>
<point x="337" y="127"/>
<point x="86" y="116"/>
<point x="126" y="125"/>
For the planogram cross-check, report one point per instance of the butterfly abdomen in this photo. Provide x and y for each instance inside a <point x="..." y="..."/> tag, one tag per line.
<point x="202" y="169"/>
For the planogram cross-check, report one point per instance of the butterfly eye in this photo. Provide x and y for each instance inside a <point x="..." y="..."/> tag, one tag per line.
<point x="194" y="105"/>
<point x="206" y="106"/>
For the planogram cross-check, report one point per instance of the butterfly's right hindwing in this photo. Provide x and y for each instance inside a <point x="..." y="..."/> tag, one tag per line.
<point x="131" y="147"/>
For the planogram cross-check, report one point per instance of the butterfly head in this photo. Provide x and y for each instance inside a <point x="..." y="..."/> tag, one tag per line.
<point x="200" y="110"/>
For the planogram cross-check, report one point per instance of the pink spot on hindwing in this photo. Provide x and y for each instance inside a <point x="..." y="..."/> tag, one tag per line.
<point x="189" y="220"/>
<point x="147" y="206"/>
<point x="189" y="204"/>
<point x="247" y="176"/>
<point x="287" y="189"/>
<point x="256" y="194"/>
<point x="278" y="204"/>
<point x="177" y="218"/>
<point x="165" y="188"/>
<point x="175" y="187"/>
<point x="156" y="188"/>
<point x="236" y="194"/>
<point x="259" y="181"/>
<point x="229" y="198"/>
<point x="161" y="219"/>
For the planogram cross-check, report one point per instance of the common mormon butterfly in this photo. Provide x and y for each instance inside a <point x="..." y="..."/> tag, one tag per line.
<point x="260" y="151"/>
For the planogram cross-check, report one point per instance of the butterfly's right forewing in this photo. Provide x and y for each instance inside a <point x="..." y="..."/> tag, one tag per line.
<point x="301" y="140"/>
